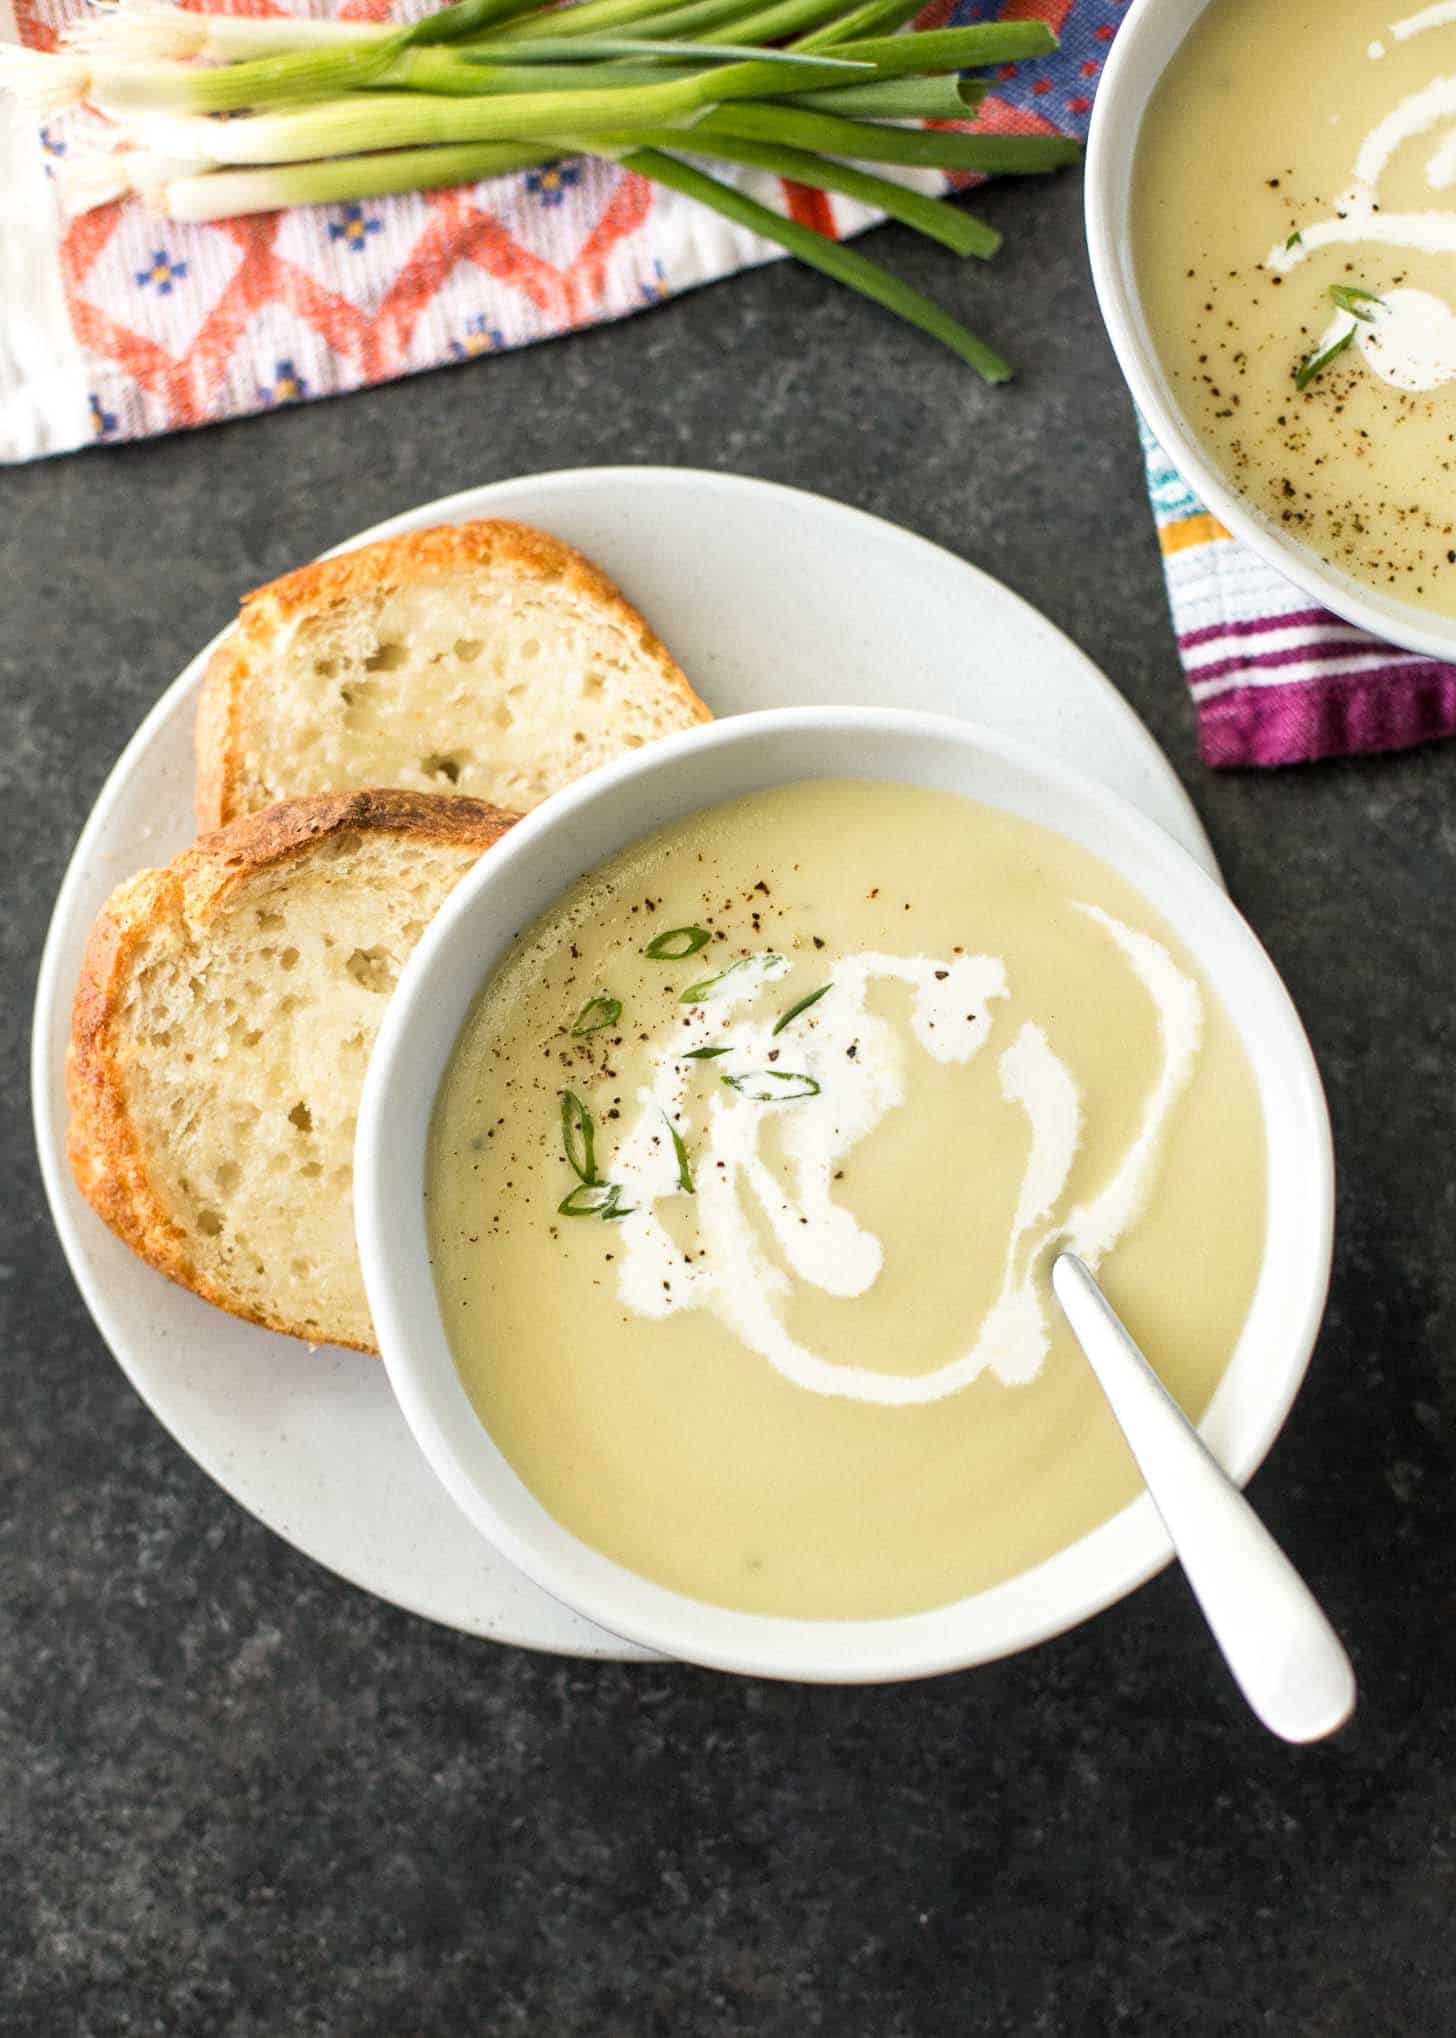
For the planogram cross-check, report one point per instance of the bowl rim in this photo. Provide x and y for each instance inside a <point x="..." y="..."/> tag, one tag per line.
<point x="1123" y="95"/>
<point x="1120" y="1553"/>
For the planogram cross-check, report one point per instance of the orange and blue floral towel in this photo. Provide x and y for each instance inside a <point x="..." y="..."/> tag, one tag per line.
<point x="1276" y="679"/>
<point x="117" y="325"/>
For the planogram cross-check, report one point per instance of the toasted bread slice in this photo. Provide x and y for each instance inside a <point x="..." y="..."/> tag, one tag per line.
<point x="222" y="1023"/>
<point x="483" y="658"/>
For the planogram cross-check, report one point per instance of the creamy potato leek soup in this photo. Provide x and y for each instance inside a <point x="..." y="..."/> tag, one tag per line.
<point x="1294" y="242"/>
<point x="746" y="1174"/>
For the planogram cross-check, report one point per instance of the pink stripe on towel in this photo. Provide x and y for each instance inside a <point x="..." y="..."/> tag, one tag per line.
<point x="1325" y="651"/>
<point x="1387" y="707"/>
<point x="1252" y="626"/>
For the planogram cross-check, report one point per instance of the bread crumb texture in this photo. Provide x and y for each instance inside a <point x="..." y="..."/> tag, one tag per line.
<point x="221" y="1033"/>
<point x="486" y="659"/>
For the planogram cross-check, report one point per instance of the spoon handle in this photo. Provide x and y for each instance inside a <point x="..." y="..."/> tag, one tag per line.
<point x="1286" y="1658"/>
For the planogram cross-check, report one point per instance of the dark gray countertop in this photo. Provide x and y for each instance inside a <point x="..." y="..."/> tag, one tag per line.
<point x="238" y="1797"/>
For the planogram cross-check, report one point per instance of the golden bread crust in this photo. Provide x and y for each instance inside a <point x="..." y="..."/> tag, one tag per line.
<point x="415" y="556"/>
<point x="105" y="1153"/>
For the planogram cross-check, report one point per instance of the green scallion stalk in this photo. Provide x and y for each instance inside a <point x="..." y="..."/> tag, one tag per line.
<point x="586" y="18"/>
<point x="233" y="194"/>
<point x="828" y="134"/>
<point x="951" y="49"/>
<point x="874" y="17"/>
<point x="694" y="18"/>
<point x="466" y="17"/>
<point x="959" y="231"/>
<point x="845" y="265"/>
<point x="186" y="88"/>
<point x="945" y="98"/>
<point x="475" y="75"/>
<point x="406" y="121"/>
<point x="589" y="49"/>
<point x="783" y="18"/>
<point x="307" y="76"/>
<point x="374" y="120"/>
<point x="757" y="78"/>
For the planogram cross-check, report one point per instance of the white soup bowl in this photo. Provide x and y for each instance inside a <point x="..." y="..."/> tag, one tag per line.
<point x="573" y="833"/>
<point x="1146" y="44"/>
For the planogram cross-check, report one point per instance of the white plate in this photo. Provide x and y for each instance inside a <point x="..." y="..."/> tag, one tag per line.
<point x="768" y="597"/>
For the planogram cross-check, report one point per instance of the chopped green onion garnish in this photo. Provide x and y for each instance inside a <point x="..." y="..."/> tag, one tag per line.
<point x="593" y="1199"/>
<point x="595" y="1015"/>
<point x="699" y="993"/>
<point x="1351" y="297"/>
<point x="1296" y="239"/>
<point x="677" y="942"/>
<point x="1318" y="362"/>
<point x="802" y="1006"/>
<point x="706" y="1053"/>
<point x="759" y="1086"/>
<point x="578" y="1137"/>
<point x="684" y="1172"/>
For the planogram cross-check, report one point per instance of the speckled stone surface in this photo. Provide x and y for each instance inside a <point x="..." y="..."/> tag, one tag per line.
<point x="239" y="1798"/>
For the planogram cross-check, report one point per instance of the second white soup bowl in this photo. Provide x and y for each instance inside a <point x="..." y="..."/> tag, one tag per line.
<point x="1146" y="44"/>
<point x="578" y="830"/>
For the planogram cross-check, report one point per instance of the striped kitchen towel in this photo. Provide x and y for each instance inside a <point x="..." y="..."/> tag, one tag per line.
<point x="1275" y="678"/>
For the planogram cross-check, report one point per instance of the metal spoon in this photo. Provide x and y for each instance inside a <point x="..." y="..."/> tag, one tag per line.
<point x="1286" y="1658"/>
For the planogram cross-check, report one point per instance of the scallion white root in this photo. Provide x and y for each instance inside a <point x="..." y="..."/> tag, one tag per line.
<point x="132" y="31"/>
<point x="97" y="178"/>
<point x="49" y="83"/>
<point x="43" y="84"/>
<point x="86" y="181"/>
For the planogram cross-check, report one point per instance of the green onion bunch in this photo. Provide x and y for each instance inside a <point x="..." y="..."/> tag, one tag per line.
<point x="221" y="115"/>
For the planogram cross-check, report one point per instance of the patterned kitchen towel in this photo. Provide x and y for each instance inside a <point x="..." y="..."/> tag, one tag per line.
<point x="1276" y="679"/>
<point x="117" y="325"/>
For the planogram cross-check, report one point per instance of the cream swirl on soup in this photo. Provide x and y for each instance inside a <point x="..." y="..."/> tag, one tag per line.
<point x="853" y="1057"/>
<point x="1407" y="336"/>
